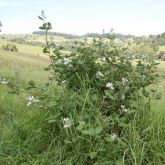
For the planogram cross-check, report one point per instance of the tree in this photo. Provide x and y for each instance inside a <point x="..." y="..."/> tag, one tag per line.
<point x="0" y="25"/>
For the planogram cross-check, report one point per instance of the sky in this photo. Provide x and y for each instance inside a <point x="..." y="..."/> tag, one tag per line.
<point x="136" y="17"/>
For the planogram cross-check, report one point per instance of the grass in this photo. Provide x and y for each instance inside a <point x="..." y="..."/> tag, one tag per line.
<point x="161" y="48"/>
<point x="28" y="49"/>
<point x="158" y="104"/>
<point x="26" y="67"/>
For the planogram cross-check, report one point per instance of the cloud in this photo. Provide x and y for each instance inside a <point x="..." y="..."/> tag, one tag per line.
<point x="3" y="3"/>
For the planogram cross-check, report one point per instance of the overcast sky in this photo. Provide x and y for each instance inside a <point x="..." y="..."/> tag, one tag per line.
<point x="139" y="17"/>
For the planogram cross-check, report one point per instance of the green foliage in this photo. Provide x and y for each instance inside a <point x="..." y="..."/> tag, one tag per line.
<point x="98" y="92"/>
<point x="10" y="47"/>
<point x="143" y="49"/>
<point x="0" y="25"/>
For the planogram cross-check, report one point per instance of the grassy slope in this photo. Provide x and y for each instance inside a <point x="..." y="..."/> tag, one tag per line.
<point x="26" y="66"/>
<point x="159" y="104"/>
<point x="28" y="49"/>
<point x="161" y="48"/>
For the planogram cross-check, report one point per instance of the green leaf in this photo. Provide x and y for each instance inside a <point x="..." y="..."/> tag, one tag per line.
<point x="40" y="18"/>
<point x="108" y="139"/>
<point x="80" y="127"/>
<point x="109" y="94"/>
<point x="45" y="50"/>
<point x="52" y="121"/>
<point x="93" y="131"/>
<point x="126" y="88"/>
<point x="93" y="155"/>
<point x="41" y="27"/>
<point x="67" y="141"/>
<point x="123" y="125"/>
<point x="98" y="130"/>
<point x="119" y="162"/>
<point x="49" y="26"/>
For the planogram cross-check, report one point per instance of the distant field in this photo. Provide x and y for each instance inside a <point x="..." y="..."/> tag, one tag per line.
<point x="161" y="48"/>
<point x="26" y="66"/>
<point x="22" y="48"/>
<point x="159" y="104"/>
<point x="30" y="37"/>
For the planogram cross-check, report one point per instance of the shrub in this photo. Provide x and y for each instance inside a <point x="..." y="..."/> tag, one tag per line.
<point x="10" y="47"/>
<point x="98" y="92"/>
<point x="93" y="112"/>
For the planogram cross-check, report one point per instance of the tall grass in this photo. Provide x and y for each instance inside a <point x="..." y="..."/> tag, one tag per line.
<point x="28" y="136"/>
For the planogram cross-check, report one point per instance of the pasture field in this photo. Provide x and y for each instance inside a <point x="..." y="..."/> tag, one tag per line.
<point x="23" y="66"/>
<point x="159" y="104"/>
<point x="28" y="49"/>
<point x="161" y="48"/>
<point x="25" y="138"/>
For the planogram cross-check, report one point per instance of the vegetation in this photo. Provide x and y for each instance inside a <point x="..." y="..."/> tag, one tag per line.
<point x="0" y="25"/>
<point x="10" y="47"/>
<point x="98" y="103"/>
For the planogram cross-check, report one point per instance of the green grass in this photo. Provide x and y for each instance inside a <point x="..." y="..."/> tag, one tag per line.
<point x="158" y="104"/>
<point x="28" y="49"/>
<point x="26" y="67"/>
<point x="161" y="48"/>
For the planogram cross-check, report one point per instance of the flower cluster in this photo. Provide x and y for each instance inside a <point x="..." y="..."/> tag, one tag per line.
<point x="124" y="81"/>
<point x="31" y="100"/>
<point x="3" y="81"/>
<point x="67" y="122"/>
<point x="66" y="61"/>
<point x="110" y="86"/>
<point x="123" y="97"/>
<point x="113" y="136"/>
<point x="99" y="74"/>
<point x="123" y="109"/>
<point x="63" y="82"/>
<point x="81" y="122"/>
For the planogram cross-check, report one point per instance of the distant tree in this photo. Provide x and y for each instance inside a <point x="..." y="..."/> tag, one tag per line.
<point x="10" y="47"/>
<point x="0" y="25"/>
